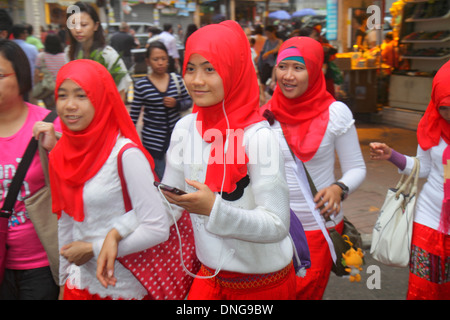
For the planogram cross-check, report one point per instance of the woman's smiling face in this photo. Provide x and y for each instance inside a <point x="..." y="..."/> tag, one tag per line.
<point x="292" y="78"/>
<point x="203" y="82"/>
<point x="74" y="107"/>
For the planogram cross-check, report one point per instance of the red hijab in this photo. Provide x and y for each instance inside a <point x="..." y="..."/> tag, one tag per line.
<point x="432" y="127"/>
<point x="304" y="119"/>
<point x="78" y="156"/>
<point x="227" y="48"/>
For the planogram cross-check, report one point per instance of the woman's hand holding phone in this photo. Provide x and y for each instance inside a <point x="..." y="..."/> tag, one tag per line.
<point x="199" y="202"/>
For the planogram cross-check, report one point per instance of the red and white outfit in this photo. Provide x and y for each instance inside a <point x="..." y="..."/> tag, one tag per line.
<point x="430" y="253"/>
<point x="315" y="126"/>
<point x="247" y="237"/>
<point x="87" y="192"/>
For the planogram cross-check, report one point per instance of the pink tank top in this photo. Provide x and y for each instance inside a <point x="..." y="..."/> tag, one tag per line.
<point x="25" y="251"/>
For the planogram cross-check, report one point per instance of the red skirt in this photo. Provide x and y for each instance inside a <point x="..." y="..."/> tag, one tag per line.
<point x="279" y="285"/>
<point x="313" y="285"/>
<point x="71" y="293"/>
<point x="429" y="269"/>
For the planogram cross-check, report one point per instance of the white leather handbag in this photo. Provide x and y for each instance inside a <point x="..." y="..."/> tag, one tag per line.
<point x="391" y="237"/>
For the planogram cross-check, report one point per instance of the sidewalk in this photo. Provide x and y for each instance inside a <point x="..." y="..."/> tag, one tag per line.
<point x="362" y="208"/>
<point x="363" y="205"/>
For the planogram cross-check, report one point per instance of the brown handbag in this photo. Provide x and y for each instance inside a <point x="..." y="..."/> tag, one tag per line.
<point x="45" y="222"/>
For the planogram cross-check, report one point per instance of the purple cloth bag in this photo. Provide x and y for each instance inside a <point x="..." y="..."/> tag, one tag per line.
<point x="301" y="244"/>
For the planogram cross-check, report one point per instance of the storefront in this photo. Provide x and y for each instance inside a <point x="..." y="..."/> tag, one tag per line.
<point x="421" y="31"/>
<point x="424" y="46"/>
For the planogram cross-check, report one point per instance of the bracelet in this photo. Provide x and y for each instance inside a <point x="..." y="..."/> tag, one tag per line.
<point x="344" y="188"/>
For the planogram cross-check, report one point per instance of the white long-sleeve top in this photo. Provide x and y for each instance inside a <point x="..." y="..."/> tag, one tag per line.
<point x="341" y="138"/>
<point x="143" y="227"/>
<point x="251" y="234"/>
<point x="429" y="201"/>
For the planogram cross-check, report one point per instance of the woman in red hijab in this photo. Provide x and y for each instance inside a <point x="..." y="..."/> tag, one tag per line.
<point x="313" y="127"/>
<point x="86" y="187"/>
<point x="227" y="159"/>
<point x="430" y="251"/>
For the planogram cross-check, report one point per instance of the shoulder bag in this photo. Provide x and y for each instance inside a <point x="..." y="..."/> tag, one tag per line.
<point x="340" y="243"/>
<point x="391" y="237"/>
<point x="349" y="238"/>
<point x="160" y="269"/>
<point x="184" y="108"/>
<point x="41" y="200"/>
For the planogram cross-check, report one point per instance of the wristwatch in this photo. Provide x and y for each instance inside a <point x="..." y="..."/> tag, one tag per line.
<point x="344" y="188"/>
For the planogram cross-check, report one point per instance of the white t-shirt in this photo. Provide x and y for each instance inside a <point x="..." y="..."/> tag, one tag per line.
<point x="143" y="227"/>
<point x="429" y="201"/>
<point x="341" y="138"/>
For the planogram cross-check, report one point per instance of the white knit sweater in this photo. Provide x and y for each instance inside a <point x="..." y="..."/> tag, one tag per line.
<point x="251" y="234"/>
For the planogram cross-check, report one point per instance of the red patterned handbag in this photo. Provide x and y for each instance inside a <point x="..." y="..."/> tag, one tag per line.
<point x="160" y="269"/>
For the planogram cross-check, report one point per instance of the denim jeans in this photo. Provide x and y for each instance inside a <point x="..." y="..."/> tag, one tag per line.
<point x="32" y="284"/>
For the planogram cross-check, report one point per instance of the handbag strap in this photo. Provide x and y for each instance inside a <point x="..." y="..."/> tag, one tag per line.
<point x="14" y="188"/>
<point x="126" y="196"/>
<point x="409" y="185"/>
<point x="177" y="84"/>
<point x="310" y="180"/>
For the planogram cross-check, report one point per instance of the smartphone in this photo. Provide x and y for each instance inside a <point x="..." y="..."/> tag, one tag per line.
<point x="169" y="188"/>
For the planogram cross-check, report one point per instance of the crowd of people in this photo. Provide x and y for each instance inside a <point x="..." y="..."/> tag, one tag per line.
<point x="240" y="162"/>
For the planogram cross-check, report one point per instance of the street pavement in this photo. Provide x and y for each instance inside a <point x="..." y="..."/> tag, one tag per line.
<point x="378" y="281"/>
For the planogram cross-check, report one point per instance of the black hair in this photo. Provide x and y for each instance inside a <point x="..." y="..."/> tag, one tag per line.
<point x="270" y="28"/>
<point x="53" y="44"/>
<point x="18" y="30"/>
<point x="6" y="21"/>
<point x="167" y="26"/>
<point x="306" y="31"/>
<point x="12" y="52"/>
<point x="30" y="28"/>
<point x="99" y="36"/>
<point x="258" y="29"/>
<point x="155" y="45"/>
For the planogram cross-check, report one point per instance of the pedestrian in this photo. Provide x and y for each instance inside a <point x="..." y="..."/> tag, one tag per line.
<point x="267" y="58"/>
<point x="430" y="245"/>
<point x="20" y="34"/>
<point x="32" y="39"/>
<point x="389" y="51"/>
<point x="161" y="101"/>
<point x="28" y="275"/>
<point x="190" y="29"/>
<point x="87" y="36"/>
<point x="53" y="58"/>
<point x="315" y="126"/>
<point x="123" y="42"/>
<point x="239" y="210"/>
<point x="166" y="37"/>
<point x="86" y="187"/>
<point x="6" y="24"/>
<point x="260" y="39"/>
<point x="329" y="67"/>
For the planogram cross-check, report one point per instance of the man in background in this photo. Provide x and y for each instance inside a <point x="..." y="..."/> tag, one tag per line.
<point x="170" y="42"/>
<point x="123" y="42"/>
